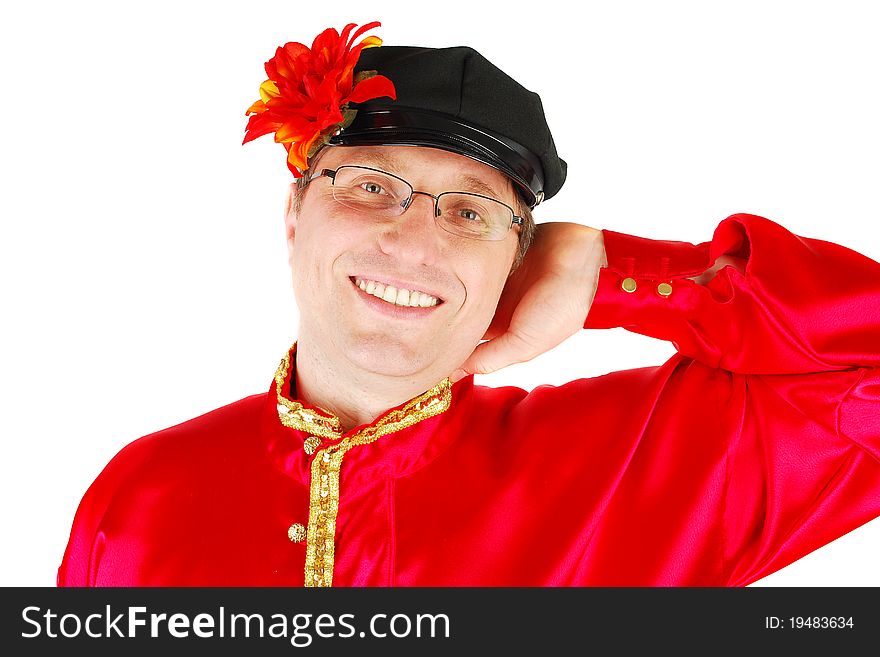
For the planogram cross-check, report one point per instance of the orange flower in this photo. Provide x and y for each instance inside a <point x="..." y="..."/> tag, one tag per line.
<point x="305" y="100"/>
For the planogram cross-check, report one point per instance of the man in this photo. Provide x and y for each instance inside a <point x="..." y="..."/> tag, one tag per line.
<point x="375" y="460"/>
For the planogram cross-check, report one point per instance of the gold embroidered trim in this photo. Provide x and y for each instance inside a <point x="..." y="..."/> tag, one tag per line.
<point x="324" y="489"/>
<point x="294" y="415"/>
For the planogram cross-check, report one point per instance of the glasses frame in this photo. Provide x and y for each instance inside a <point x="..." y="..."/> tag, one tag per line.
<point x="331" y="173"/>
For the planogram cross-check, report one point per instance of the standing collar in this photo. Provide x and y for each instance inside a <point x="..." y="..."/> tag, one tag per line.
<point x="316" y="421"/>
<point x="415" y="432"/>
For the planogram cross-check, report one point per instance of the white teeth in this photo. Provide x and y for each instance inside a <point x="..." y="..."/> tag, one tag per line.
<point x="398" y="297"/>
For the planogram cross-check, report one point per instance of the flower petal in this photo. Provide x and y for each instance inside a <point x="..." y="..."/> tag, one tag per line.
<point x="374" y="87"/>
<point x="361" y="30"/>
<point x="344" y="43"/>
<point x="257" y="108"/>
<point x="326" y="42"/>
<point x="268" y="90"/>
<point x="298" y="154"/>
<point x="259" y="125"/>
<point x="371" y="42"/>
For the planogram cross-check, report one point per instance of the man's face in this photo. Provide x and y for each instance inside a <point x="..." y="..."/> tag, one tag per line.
<point x="335" y="250"/>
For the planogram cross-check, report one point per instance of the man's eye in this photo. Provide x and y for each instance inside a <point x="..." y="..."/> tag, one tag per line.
<point x="470" y="215"/>
<point x="372" y="188"/>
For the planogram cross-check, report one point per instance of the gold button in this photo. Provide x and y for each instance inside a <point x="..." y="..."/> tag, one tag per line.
<point x="310" y="444"/>
<point x="628" y="285"/>
<point x="664" y="289"/>
<point x="296" y="533"/>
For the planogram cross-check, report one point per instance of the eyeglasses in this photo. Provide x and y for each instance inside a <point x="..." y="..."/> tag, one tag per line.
<point x="461" y="213"/>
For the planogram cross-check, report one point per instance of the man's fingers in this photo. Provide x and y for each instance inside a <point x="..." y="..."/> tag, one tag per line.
<point x="496" y="354"/>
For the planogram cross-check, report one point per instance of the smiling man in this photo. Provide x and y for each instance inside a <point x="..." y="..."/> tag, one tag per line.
<point x="374" y="459"/>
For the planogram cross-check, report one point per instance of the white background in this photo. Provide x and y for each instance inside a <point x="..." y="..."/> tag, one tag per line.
<point x="144" y="274"/>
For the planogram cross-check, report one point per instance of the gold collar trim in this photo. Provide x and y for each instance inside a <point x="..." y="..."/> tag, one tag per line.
<point x="296" y="416"/>
<point x="324" y="424"/>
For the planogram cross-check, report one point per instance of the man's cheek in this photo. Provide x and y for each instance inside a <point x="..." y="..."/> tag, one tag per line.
<point x="309" y="262"/>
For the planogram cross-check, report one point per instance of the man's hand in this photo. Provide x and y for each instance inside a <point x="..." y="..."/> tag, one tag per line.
<point x="545" y="301"/>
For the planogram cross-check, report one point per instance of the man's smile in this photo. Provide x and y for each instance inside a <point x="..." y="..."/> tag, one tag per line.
<point x="410" y="299"/>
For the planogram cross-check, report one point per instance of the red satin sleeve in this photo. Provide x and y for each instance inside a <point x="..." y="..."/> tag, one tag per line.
<point x="795" y="344"/>
<point x="802" y="305"/>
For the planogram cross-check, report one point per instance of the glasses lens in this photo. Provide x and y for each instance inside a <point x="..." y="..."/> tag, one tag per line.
<point x="474" y="216"/>
<point x="362" y="188"/>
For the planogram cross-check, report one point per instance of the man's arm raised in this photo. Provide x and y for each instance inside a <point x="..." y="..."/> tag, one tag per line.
<point x="755" y="299"/>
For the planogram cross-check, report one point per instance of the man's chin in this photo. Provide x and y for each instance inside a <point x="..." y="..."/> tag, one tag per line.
<point x="384" y="356"/>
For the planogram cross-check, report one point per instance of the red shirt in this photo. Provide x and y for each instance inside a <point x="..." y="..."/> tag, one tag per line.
<point x="756" y="443"/>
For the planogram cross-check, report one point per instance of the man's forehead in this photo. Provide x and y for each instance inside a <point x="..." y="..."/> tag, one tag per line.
<point x="448" y="169"/>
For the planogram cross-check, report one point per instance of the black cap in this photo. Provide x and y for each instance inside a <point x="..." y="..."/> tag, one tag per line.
<point x="457" y="100"/>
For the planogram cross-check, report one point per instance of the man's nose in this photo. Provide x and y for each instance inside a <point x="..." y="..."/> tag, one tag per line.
<point x="413" y="236"/>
